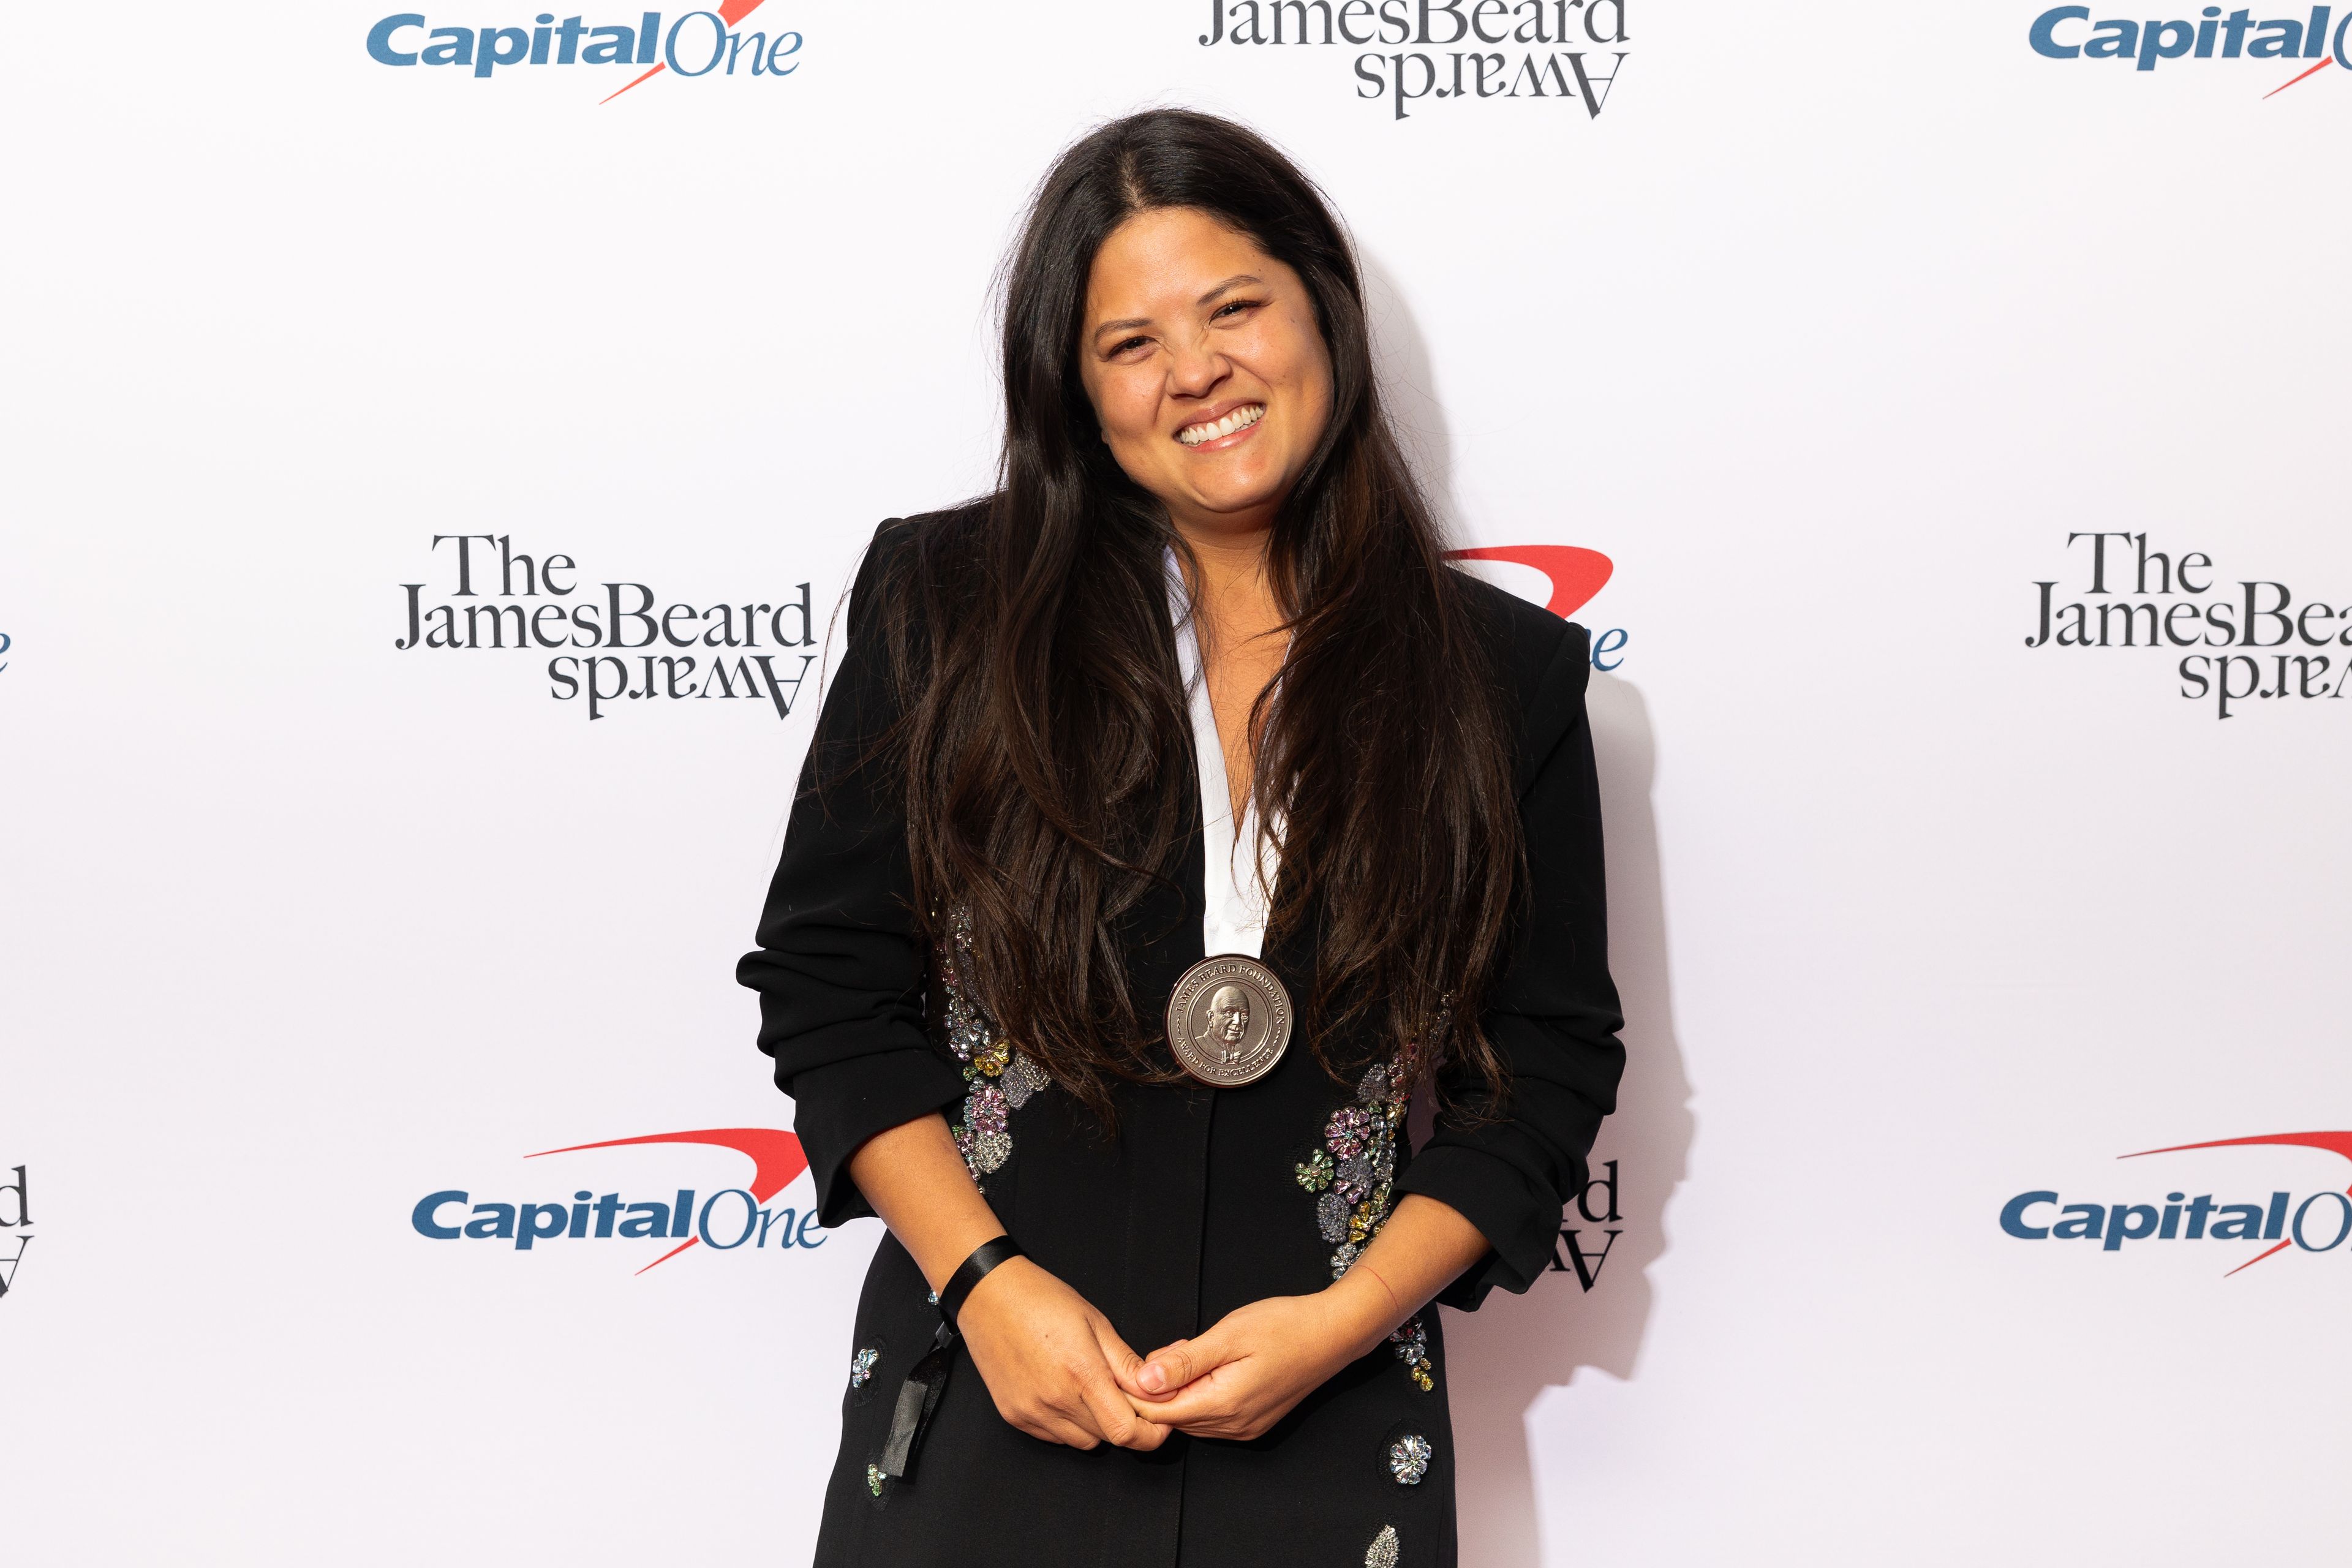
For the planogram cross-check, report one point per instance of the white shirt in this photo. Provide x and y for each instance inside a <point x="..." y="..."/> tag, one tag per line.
<point x="1235" y="919"/>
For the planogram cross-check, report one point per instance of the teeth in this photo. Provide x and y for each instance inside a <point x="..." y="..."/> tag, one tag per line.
<point x="1241" y="418"/>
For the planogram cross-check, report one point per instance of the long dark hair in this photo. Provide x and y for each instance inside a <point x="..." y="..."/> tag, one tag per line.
<point x="1043" y="710"/>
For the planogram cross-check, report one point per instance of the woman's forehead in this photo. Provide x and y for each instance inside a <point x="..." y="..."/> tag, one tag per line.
<point x="1169" y="257"/>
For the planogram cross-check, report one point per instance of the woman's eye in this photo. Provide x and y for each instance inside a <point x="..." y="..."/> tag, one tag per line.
<point x="1234" y="308"/>
<point x="1119" y="349"/>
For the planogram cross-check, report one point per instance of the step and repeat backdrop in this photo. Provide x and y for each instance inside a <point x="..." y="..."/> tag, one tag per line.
<point x="437" y="446"/>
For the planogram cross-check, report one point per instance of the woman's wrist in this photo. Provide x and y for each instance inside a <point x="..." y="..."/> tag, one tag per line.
<point x="982" y="1261"/>
<point x="945" y="1251"/>
<point x="917" y="1179"/>
<point x="1363" y="1311"/>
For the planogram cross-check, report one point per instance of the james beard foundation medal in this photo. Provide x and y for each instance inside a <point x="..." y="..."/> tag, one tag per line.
<point x="1229" y="1020"/>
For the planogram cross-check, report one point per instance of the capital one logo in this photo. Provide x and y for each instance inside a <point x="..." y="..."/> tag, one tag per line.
<point x="695" y="44"/>
<point x="2070" y="32"/>
<point x="2314" y="1222"/>
<point x="1572" y="575"/>
<point x="727" y="1220"/>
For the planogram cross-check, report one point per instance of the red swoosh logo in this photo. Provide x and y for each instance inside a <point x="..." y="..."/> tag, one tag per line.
<point x="777" y="1157"/>
<point x="2315" y="70"/>
<point x="1575" y="574"/>
<point x="730" y="13"/>
<point x="2334" y="1142"/>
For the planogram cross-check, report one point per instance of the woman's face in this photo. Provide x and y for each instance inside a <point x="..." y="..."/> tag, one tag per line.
<point x="1205" y="367"/>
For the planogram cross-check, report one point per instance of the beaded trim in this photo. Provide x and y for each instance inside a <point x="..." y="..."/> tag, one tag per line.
<point x="1350" y="1177"/>
<point x="1002" y="1078"/>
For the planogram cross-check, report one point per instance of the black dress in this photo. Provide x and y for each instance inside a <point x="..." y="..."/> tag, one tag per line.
<point x="1205" y="1199"/>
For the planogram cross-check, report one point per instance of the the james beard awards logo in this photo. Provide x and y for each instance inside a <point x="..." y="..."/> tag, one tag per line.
<point x="1412" y="51"/>
<point x="2135" y="597"/>
<point x="1569" y="1251"/>
<point x="17" y="1225"/>
<point x="499" y="598"/>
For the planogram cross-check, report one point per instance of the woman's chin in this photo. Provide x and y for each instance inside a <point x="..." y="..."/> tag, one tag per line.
<point x="1240" y="498"/>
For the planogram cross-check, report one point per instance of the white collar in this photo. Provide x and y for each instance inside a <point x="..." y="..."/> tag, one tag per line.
<point x="1235" y="919"/>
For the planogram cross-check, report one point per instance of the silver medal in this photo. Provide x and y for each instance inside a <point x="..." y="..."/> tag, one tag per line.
<point x="1229" y="1020"/>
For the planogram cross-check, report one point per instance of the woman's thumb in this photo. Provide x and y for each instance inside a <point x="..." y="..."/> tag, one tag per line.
<point x="1125" y="1364"/>
<point x="1169" y="1368"/>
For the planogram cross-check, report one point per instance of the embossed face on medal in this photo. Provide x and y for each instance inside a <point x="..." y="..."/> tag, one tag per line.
<point x="1228" y="1020"/>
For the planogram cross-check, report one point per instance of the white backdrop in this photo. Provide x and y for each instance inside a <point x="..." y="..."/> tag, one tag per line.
<point x="1829" y="329"/>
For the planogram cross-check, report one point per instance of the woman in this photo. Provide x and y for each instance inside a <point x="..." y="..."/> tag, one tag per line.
<point x="1177" y="815"/>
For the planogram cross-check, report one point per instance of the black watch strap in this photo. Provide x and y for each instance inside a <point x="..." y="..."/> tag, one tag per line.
<point x="973" y="1269"/>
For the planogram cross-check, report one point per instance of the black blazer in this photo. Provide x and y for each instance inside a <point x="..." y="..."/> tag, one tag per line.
<point x="1204" y="1200"/>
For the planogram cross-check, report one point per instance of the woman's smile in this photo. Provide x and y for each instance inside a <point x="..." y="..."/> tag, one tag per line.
<point x="1221" y="432"/>
<point x="1207" y="371"/>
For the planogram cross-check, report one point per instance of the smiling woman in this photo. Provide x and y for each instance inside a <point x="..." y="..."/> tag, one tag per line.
<point x="1214" y="367"/>
<point x="1184" y="742"/>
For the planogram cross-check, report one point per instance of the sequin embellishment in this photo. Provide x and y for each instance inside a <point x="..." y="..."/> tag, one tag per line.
<point x="873" y="1484"/>
<point x="1023" y="1077"/>
<point x="1351" y="1177"/>
<point x="1384" y="1554"/>
<point x="1412" y="1342"/>
<point x="1001" y="1080"/>
<point x="861" y="1368"/>
<point x="1409" y="1458"/>
<point x="1350" y="1126"/>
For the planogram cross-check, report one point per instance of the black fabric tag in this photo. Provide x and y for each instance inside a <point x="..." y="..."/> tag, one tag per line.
<point x="919" y="1396"/>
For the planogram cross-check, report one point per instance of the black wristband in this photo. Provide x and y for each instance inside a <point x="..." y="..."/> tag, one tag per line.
<point x="973" y="1271"/>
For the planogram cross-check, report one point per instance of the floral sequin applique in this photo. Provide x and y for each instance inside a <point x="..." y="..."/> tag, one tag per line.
<point x="1001" y="1080"/>
<point x="1351" y="1176"/>
<point x="1412" y="1342"/>
<point x="1384" y="1554"/>
<point x="1409" y="1458"/>
<point x="861" y="1368"/>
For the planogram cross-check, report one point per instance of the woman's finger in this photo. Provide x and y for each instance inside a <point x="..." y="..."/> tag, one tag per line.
<point x="1165" y="1370"/>
<point x="1115" y="1418"/>
<point x="1211" y="1397"/>
<point x="1173" y="1366"/>
<point x="1054" y="1427"/>
<point x="1126" y="1366"/>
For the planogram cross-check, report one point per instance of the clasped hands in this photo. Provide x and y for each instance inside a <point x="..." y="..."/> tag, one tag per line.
<point x="1059" y="1371"/>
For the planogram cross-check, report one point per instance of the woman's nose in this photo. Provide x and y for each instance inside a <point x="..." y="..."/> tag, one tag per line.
<point x="1195" y="370"/>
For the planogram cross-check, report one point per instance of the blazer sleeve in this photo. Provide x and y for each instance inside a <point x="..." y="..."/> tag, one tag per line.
<point x="1553" y="1017"/>
<point x="840" y="967"/>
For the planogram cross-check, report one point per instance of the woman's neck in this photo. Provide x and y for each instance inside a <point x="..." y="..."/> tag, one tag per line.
<point x="1238" y="625"/>
<point x="1228" y="580"/>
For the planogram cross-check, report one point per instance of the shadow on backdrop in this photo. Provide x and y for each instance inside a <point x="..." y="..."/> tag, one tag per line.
<point x="1502" y="1358"/>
